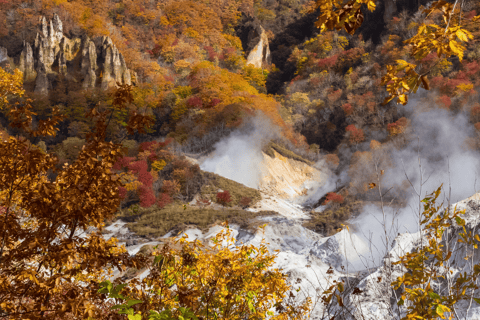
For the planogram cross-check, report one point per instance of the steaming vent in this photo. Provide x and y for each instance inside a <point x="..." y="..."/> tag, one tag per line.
<point x="249" y="158"/>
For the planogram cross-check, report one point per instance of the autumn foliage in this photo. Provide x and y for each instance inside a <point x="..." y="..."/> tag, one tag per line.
<point x="333" y="198"/>
<point x="223" y="198"/>
<point x="47" y="270"/>
<point x="211" y="281"/>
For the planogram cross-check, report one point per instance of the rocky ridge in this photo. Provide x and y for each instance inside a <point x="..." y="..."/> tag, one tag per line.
<point x="53" y="58"/>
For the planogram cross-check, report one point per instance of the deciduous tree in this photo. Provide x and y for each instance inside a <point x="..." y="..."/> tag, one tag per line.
<point x="48" y="270"/>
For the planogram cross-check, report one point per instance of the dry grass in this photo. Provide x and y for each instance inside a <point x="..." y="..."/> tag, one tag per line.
<point x="328" y="221"/>
<point x="214" y="182"/>
<point x="154" y="222"/>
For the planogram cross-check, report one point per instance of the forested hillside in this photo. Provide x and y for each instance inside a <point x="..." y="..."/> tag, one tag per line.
<point x="190" y="73"/>
<point x="163" y="81"/>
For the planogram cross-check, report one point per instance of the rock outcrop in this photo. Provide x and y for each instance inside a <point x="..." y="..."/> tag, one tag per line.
<point x="259" y="56"/>
<point x="82" y="61"/>
<point x="254" y="41"/>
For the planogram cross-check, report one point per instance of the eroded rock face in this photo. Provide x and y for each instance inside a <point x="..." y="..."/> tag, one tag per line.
<point x="259" y="56"/>
<point x="254" y="42"/>
<point x="89" y="62"/>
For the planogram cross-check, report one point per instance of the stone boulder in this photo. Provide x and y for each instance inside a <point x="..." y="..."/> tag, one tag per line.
<point x="53" y="57"/>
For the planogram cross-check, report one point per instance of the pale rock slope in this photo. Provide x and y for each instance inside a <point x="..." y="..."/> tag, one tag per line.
<point x="285" y="183"/>
<point x="378" y="299"/>
<point x="259" y="56"/>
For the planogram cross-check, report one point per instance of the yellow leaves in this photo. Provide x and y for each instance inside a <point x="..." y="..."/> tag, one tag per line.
<point x="465" y="87"/>
<point x="251" y="286"/>
<point x="371" y="5"/>
<point x="336" y="15"/>
<point x="400" y="86"/>
<point x="441" y="309"/>
<point x="456" y="49"/>
<point x="463" y="35"/>
<point x="10" y="85"/>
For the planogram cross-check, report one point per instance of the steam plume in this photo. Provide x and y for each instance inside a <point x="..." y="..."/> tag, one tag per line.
<point x="239" y="156"/>
<point x="437" y="155"/>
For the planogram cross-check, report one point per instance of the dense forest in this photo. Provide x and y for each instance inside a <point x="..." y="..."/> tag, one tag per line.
<point x="185" y="67"/>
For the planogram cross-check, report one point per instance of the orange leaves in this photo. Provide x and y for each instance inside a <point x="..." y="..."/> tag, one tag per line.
<point x="337" y="15"/>
<point x="192" y="15"/>
<point x="45" y="218"/>
<point x="10" y="85"/>
<point x="398" y="126"/>
<point x="356" y="135"/>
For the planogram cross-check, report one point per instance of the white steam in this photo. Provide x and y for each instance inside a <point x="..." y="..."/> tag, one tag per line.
<point x="439" y="154"/>
<point x="239" y="156"/>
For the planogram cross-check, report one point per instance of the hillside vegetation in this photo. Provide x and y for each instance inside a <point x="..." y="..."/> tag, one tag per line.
<point x="66" y="164"/>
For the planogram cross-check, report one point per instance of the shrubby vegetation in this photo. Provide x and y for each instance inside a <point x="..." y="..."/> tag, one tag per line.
<point x="74" y="168"/>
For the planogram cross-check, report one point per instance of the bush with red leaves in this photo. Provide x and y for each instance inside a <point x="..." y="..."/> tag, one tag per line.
<point x="327" y="63"/>
<point x="356" y="134"/>
<point x="445" y="101"/>
<point x="122" y="163"/>
<point x="347" y="108"/>
<point x="223" y="198"/>
<point x="163" y="200"/>
<point x="195" y="102"/>
<point x="147" y="197"/>
<point x="122" y="192"/>
<point x="245" y="202"/>
<point x="138" y="166"/>
<point x="334" y="198"/>
<point x="397" y="127"/>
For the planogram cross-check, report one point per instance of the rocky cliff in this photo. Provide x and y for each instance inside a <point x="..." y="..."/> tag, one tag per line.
<point x="254" y="41"/>
<point x="53" y="57"/>
<point x="259" y="56"/>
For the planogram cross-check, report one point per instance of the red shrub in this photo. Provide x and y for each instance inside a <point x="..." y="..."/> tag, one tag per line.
<point x="475" y="111"/>
<point x="122" y="163"/>
<point x="472" y="68"/>
<point x="195" y="102"/>
<point x="245" y="202"/>
<point x="445" y="101"/>
<point x="471" y="14"/>
<point x="163" y="200"/>
<point x="347" y="108"/>
<point x="145" y="178"/>
<point x="122" y="192"/>
<point x="334" y="197"/>
<point x="477" y="126"/>
<point x="328" y="63"/>
<point x="430" y="59"/>
<point x="437" y="82"/>
<point x="398" y="126"/>
<point x="150" y="146"/>
<point x="214" y="102"/>
<point x="147" y="197"/>
<point x="356" y="134"/>
<point x="223" y="198"/>
<point x="211" y="53"/>
<point x="138" y="166"/>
